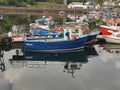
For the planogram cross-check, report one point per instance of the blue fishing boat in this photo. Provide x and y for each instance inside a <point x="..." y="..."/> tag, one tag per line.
<point x="92" y="38"/>
<point x="55" y="44"/>
<point x="77" y="31"/>
<point x="42" y="26"/>
<point x="41" y="29"/>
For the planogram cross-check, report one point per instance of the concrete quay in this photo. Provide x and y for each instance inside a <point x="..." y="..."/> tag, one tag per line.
<point x="24" y="10"/>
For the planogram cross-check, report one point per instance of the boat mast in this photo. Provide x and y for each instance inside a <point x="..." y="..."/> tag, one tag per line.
<point x="75" y="14"/>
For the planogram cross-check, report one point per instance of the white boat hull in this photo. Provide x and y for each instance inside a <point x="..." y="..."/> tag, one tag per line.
<point x="111" y="39"/>
<point x="17" y="39"/>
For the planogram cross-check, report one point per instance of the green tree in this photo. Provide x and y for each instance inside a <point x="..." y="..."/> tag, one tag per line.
<point x="69" y="1"/>
<point x="31" y="2"/>
<point x="12" y="2"/>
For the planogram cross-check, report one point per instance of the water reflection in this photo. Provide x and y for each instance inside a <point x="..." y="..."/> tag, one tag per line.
<point x="111" y="48"/>
<point x="71" y="67"/>
<point x="88" y="68"/>
<point x="90" y="51"/>
<point x="71" y="61"/>
<point x="2" y="65"/>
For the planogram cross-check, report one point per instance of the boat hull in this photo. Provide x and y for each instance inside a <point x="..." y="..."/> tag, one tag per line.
<point x="107" y="30"/>
<point x="17" y="38"/>
<point x="91" y="39"/>
<point x="55" y="46"/>
<point x="110" y="39"/>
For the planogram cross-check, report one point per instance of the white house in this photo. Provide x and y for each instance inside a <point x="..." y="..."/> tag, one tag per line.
<point x="77" y="5"/>
<point x="111" y="3"/>
<point x="90" y="4"/>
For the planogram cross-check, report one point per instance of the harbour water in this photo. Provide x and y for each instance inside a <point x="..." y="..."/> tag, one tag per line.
<point x="96" y="67"/>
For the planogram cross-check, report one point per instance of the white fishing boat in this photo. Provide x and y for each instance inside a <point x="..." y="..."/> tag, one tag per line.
<point x="16" y="34"/>
<point x="112" y="26"/>
<point x="113" y="38"/>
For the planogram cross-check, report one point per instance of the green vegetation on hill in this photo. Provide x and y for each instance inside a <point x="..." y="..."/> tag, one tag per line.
<point x="51" y="3"/>
<point x="8" y="21"/>
<point x="47" y="5"/>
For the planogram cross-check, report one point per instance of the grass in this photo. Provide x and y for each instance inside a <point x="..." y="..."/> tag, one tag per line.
<point x="47" y="5"/>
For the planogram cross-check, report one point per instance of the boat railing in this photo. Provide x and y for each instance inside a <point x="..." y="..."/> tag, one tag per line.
<point x="28" y="64"/>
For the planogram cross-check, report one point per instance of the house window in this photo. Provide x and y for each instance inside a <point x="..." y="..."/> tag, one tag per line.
<point x="75" y="31"/>
<point x="118" y="35"/>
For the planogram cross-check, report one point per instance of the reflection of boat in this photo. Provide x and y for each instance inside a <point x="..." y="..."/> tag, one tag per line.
<point x="71" y="67"/>
<point x="64" y="56"/>
<point x="4" y="39"/>
<point x="113" y="38"/>
<point x="2" y="65"/>
<point x="78" y="56"/>
<point x="5" y="47"/>
<point x="90" y="51"/>
<point x="112" y="48"/>
<point x="72" y="61"/>
<point x="17" y="45"/>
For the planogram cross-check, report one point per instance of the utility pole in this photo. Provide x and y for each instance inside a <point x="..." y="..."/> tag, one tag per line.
<point x="65" y="2"/>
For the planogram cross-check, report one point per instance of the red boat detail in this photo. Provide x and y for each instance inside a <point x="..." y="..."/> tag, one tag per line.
<point x="16" y="36"/>
<point x="107" y="31"/>
<point x="113" y="26"/>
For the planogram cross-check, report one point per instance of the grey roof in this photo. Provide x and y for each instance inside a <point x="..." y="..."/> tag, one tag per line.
<point x="91" y="3"/>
